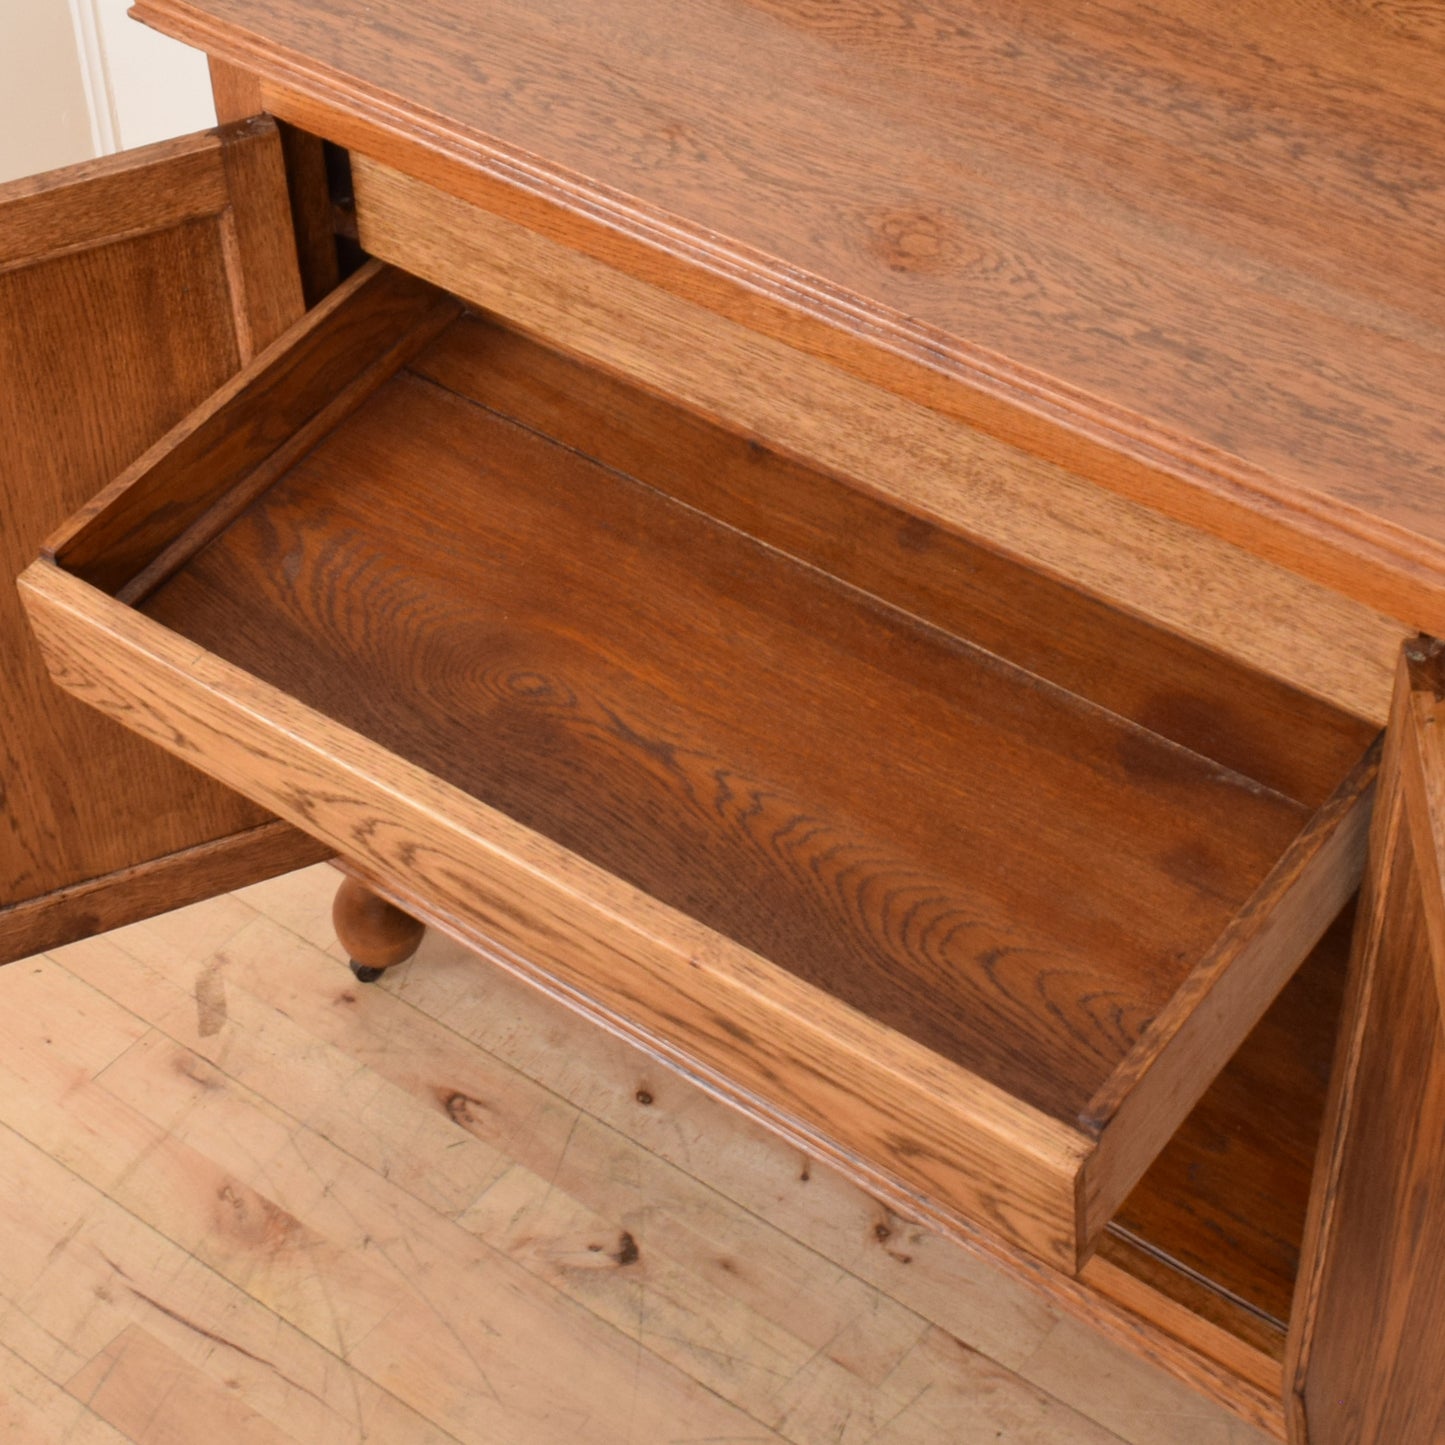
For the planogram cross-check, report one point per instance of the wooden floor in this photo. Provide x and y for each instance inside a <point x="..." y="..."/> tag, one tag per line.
<point x="246" y="1199"/>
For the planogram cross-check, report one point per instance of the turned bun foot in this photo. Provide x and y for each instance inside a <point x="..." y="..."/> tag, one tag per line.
<point x="376" y="934"/>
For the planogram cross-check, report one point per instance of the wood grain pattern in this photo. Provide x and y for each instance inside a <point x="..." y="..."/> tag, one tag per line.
<point x="1152" y="1307"/>
<point x="237" y="95"/>
<point x="312" y="219"/>
<point x="124" y="301"/>
<point x="1177" y="1325"/>
<point x="153" y="189"/>
<point x="1422" y="778"/>
<point x="1193" y="254"/>
<point x="988" y="1296"/>
<point x="236" y="92"/>
<point x="272" y="1283"/>
<point x="1045" y="517"/>
<point x="258" y="244"/>
<point x="1367" y="1341"/>
<point x="1195" y="1313"/>
<point x="645" y="970"/>
<point x="1073" y="918"/>
<point x="574" y="634"/>
<point x="658" y="695"/>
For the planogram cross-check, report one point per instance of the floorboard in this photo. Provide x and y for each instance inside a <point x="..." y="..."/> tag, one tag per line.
<point x="252" y="1201"/>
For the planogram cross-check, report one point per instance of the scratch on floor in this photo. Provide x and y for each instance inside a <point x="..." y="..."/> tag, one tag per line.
<point x="201" y="1330"/>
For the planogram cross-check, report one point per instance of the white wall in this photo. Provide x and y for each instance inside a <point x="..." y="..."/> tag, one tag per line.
<point x="44" y="115"/>
<point x="78" y="78"/>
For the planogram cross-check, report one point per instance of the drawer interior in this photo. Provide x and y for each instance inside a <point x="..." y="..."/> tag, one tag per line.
<point x="901" y="819"/>
<point x="1027" y="835"/>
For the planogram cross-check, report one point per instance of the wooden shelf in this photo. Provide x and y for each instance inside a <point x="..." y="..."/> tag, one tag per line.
<point x="980" y="935"/>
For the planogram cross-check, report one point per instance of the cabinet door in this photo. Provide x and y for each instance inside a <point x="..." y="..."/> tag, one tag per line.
<point x="1368" y="1349"/>
<point x="130" y="289"/>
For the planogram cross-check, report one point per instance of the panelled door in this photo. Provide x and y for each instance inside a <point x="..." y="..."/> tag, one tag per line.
<point x="1367" y="1353"/>
<point x="130" y="289"/>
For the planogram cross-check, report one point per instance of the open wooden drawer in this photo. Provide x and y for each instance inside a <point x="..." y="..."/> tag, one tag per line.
<point x="957" y="876"/>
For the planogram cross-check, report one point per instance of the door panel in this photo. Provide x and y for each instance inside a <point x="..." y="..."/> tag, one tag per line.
<point x="130" y="288"/>
<point x="1368" y="1350"/>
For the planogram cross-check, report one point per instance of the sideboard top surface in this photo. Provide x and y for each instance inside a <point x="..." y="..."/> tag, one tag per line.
<point x="1208" y="239"/>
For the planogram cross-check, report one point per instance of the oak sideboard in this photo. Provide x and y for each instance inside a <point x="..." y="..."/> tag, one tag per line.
<point x="889" y="553"/>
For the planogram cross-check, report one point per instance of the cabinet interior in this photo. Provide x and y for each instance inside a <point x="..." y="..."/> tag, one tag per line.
<point x="1217" y="1223"/>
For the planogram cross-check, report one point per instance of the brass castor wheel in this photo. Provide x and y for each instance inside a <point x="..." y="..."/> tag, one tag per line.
<point x="375" y="934"/>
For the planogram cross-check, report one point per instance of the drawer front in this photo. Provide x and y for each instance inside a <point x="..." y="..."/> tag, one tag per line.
<point x="650" y="763"/>
<point x="826" y="1074"/>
